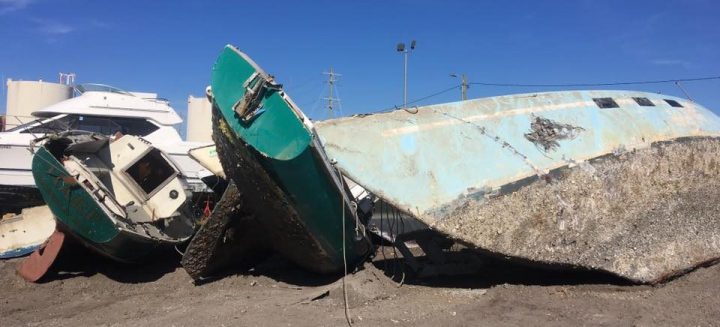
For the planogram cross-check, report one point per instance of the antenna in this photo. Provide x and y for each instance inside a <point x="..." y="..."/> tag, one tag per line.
<point x="332" y="78"/>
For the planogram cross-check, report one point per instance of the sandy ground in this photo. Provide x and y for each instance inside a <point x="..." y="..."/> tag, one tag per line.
<point x="276" y="293"/>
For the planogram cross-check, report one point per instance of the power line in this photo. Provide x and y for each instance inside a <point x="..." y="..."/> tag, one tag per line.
<point x="424" y="98"/>
<point x="555" y="85"/>
<point x="434" y="94"/>
<point x="600" y="84"/>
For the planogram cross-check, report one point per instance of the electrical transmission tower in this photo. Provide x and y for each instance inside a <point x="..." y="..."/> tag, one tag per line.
<point x="331" y="100"/>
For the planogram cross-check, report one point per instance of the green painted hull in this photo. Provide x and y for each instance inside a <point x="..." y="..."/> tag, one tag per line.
<point x="279" y="166"/>
<point x="80" y="216"/>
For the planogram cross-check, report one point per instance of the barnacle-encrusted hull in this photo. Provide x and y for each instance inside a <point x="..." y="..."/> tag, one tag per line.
<point x="550" y="178"/>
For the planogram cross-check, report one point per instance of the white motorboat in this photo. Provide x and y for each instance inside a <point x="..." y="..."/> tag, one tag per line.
<point x="99" y="109"/>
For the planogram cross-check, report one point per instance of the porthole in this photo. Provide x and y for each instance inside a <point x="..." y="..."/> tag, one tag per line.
<point x="673" y="103"/>
<point x="644" y="102"/>
<point x="606" y="103"/>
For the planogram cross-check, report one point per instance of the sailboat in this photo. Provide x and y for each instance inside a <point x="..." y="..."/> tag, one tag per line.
<point x="120" y="197"/>
<point x="271" y="151"/>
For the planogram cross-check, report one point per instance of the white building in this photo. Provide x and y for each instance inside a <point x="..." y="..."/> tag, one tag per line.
<point x="25" y="97"/>
<point x="199" y="119"/>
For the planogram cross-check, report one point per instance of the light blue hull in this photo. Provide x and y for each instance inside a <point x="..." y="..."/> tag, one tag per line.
<point x="19" y="252"/>
<point x="610" y="180"/>
<point x="425" y="160"/>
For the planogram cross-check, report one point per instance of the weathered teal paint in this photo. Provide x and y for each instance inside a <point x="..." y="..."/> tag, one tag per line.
<point x="69" y="202"/>
<point x="284" y="144"/>
<point x="422" y="161"/>
<point x="278" y="134"/>
<point x="79" y="214"/>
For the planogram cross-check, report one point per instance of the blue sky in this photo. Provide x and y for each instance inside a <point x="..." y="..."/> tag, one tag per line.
<point x="169" y="46"/>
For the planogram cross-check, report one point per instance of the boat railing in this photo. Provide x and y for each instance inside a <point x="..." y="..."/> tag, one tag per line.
<point x="158" y="100"/>
<point x="93" y="87"/>
<point x="9" y="122"/>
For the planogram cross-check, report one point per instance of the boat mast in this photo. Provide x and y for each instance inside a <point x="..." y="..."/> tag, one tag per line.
<point x="332" y="78"/>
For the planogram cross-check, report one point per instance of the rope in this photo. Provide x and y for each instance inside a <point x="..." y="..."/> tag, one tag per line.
<point x="400" y="228"/>
<point x="345" y="295"/>
<point x="382" y="248"/>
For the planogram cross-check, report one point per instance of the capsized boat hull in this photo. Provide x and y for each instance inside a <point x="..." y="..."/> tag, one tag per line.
<point x="273" y="157"/>
<point x="80" y="216"/>
<point x="550" y="178"/>
<point x="24" y="233"/>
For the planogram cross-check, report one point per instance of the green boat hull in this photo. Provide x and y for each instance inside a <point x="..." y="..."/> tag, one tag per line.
<point x="279" y="167"/>
<point x="80" y="216"/>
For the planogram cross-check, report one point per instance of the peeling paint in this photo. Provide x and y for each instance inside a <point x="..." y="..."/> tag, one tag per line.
<point x="546" y="133"/>
<point x="471" y="158"/>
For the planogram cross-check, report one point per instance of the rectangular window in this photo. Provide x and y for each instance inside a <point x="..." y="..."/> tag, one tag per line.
<point x="673" y="103"/>
<point x="606" y="103"/>
<point x="151" y="171"/>
<point x="644" y="102"/>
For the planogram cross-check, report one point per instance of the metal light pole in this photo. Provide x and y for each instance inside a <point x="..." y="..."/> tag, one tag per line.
<point x="401" y="48"/>
<point x="464" y="86"/>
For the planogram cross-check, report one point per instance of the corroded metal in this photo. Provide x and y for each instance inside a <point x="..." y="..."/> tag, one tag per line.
<point x="549" y="177"/>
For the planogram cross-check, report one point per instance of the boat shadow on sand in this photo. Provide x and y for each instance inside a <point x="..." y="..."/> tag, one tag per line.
<point x="491" y="272"/>
<point x="77" y="261"/>
<point x="494" y="272"/>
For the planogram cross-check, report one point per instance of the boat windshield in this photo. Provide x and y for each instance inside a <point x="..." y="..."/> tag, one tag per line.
<point x="95" y="124"/>
<point x="82" y="88"/>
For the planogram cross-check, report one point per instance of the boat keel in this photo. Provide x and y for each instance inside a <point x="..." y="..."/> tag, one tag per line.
<point x="34" y="267"/>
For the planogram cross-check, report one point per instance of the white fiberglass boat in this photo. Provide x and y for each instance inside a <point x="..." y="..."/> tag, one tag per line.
<point x="100" y="109"/>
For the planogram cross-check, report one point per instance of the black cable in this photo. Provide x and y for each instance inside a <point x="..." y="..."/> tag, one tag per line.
<point x="553" y="85"/>
<point x="599" y="84"/>
<point x="423" y="98"/>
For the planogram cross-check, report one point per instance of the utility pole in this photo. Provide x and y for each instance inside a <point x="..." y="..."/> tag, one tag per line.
<point x="464" y="86"/>
<point x="401" y="48"/>
<point x="332" y="78"/>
